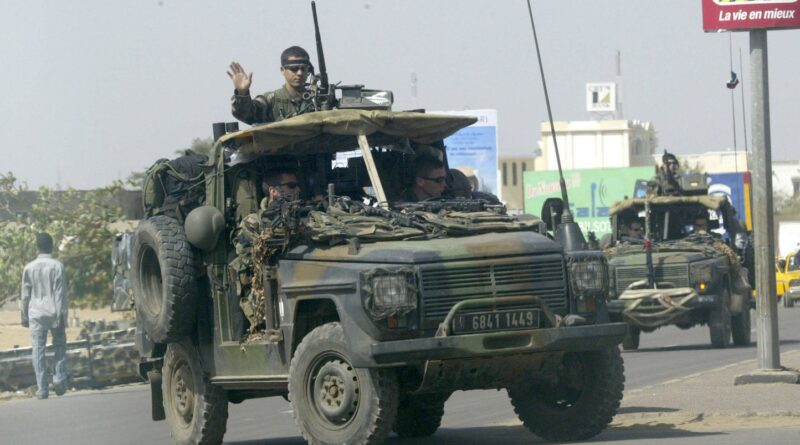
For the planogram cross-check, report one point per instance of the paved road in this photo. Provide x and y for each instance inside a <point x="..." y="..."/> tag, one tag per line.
<point x="121" y="415"/>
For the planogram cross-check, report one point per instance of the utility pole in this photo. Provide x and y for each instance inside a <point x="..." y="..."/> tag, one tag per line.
<point x="766" y="304"/>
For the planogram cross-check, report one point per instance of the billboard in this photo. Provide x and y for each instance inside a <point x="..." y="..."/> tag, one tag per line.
<point x="736" y="186"/>
<point x="591" y="192"/>
<point x="473" y="150"/>
<point x="722" y="15"/>
<point x="601" y="97"/>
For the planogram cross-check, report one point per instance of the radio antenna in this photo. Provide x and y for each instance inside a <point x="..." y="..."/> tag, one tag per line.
<point x="567" y="214"/>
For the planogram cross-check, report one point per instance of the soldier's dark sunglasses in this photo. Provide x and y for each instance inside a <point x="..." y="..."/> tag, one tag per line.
<point x="296" y="68"/>
<point x="290" y="184"/>
<point x="438" y="180"/>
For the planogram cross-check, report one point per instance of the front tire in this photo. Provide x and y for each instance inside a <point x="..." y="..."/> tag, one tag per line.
<point x="581" y="403"/>
<point x="419" y="415"/>
<point x="740" y="328"/>
<point x="631" y="340"/>
<point x="719" y="326"/>
<point x="334" y="403"/>
<point x="196" y="410"/>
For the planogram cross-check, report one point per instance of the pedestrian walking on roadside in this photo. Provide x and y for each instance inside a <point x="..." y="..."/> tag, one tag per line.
<point x="43" y="304"/>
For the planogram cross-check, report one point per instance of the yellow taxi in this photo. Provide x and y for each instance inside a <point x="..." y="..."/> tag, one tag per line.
<point x="787" y="279"/>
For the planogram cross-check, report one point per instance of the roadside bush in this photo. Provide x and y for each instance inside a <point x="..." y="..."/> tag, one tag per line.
<point x="78" y="222"/>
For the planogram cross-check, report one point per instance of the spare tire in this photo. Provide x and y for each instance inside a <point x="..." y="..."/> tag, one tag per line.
<point x="164" y="273"/>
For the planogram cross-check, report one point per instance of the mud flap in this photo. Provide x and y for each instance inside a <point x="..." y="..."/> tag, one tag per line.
<point x="156" y="396"/>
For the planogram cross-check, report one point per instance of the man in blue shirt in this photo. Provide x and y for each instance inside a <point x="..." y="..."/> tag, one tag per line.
<point x="44" y="308"/>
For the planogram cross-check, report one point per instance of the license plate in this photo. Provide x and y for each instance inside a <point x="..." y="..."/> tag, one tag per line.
<point x="497" y="320"/>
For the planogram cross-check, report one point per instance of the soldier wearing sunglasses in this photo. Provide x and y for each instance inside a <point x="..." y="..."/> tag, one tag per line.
<point x="280" y="183"/>
<point x="280" y="104"/>
<point x="430" y="179"/>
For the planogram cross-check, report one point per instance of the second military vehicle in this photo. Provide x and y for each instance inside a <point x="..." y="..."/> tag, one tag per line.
<point x="678" y="273"/>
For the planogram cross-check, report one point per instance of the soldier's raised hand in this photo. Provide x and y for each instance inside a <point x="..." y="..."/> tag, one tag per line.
<point x="241" y="80"/>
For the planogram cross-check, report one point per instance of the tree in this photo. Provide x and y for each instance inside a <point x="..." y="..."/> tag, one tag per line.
<point x="78" y="222"/>
<point x="203" y="146"/>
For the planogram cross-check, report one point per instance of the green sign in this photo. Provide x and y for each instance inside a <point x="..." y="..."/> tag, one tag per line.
<point x="591" y="192"/>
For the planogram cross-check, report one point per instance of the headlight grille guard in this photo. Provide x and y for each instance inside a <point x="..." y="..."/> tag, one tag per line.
<point x="588" y="274"/>
<point x="368" y="292"/>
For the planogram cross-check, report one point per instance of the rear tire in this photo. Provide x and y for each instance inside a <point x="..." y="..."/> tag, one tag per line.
<point x="631" y="340"/>
<point x="581" y="404"/>
<point x="333" y="402"/>
<point x="419" y="415"/>
<point x="788" y="301"/>
<point x="196" y="410"/>
<point x="164" y="276"/>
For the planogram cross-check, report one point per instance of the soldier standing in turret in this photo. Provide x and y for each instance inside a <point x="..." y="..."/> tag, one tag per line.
<point x="285" y="102"/>
<point x="667" y="181"/>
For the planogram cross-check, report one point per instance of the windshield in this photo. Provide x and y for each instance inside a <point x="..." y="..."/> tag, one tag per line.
<point x="668" y="223"/>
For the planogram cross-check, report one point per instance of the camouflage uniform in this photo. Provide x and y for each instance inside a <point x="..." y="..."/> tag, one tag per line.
<point x="269" y="107"/>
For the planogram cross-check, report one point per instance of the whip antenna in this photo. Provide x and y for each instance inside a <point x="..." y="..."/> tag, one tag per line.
<point x="567" y="215"/>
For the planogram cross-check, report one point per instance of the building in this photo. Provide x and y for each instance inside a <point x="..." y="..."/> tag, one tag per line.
<point x="598" y="144"/>
<point x="582" y="144"/>
<point x="725" y="161"/>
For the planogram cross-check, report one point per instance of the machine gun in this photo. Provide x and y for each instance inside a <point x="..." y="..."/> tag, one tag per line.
<point x="323" y="94"/>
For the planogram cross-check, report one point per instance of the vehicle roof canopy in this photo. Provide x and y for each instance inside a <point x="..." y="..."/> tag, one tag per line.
<point x="708" y="201"/>
<point x="337" y="130"/>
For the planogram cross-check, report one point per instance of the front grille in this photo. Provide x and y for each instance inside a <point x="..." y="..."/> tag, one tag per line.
<point x="444" y="285"/>
<point x="675" y="274"/>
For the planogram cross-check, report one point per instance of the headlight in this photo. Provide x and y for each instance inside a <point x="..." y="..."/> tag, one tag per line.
<point x="389" y="292"/>
<point x="700" y="273"/>
<point x="587" y="275"/>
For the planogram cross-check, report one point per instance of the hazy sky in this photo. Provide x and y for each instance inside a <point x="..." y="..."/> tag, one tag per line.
<point x="95" y="89"/>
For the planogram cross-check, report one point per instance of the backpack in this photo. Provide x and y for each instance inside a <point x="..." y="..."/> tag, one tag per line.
<point x="174" y="188"/>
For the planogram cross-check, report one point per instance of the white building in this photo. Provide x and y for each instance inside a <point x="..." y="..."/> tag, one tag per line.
<point x="598" y="144"/>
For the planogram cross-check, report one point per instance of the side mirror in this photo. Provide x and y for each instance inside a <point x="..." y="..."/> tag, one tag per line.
<point x="552" y="209"/>
<point x="203" y="226"/>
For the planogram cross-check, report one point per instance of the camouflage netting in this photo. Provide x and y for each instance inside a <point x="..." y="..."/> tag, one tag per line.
<point x="263" y="236"/>
<point x="706" y="244"/>
<point x="104" y="355"/>
<point x="707" y="201"/>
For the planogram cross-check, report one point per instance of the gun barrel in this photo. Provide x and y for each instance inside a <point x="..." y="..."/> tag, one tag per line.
<point x="323" y="72"/>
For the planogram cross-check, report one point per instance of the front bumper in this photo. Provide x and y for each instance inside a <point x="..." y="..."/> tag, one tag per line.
<point x="573" y="338"/>
<point x="659" y="307"/>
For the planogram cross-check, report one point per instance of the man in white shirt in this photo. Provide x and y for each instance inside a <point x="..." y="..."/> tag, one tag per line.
<point x="43" y="304"/>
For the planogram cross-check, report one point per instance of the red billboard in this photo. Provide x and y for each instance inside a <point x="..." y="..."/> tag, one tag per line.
<point x="721" y="15"/>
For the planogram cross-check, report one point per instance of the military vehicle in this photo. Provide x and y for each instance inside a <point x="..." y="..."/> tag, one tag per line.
<point x="373" y="310"/>
<point x="673" y="276"/>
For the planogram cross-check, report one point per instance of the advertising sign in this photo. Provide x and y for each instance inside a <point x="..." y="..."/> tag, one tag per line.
<point x="473" y="150"/>
<point x="601" y="97"/>
<point x="722" y="15"/>
<point x="736" y="186"/>
<point x="591" y="192"/>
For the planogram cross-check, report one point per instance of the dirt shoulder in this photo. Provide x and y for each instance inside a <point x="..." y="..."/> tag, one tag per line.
<point x="709" y="401"/>
<point x="12" y="334"/>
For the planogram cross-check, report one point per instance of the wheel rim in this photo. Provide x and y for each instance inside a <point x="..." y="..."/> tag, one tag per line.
<point x="183" y="393"/>
<point x="571" y="381"/>
<point x="333" y="390"/>
<point x="150" y="277"/>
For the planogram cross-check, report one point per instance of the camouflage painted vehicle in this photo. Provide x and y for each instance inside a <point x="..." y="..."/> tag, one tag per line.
<point x="678" y="277"/>
<point x="373" y="310"/>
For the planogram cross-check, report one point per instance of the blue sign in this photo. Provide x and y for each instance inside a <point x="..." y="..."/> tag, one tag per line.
<point x="735" y="188"/>
<point x="473" y="150"/>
